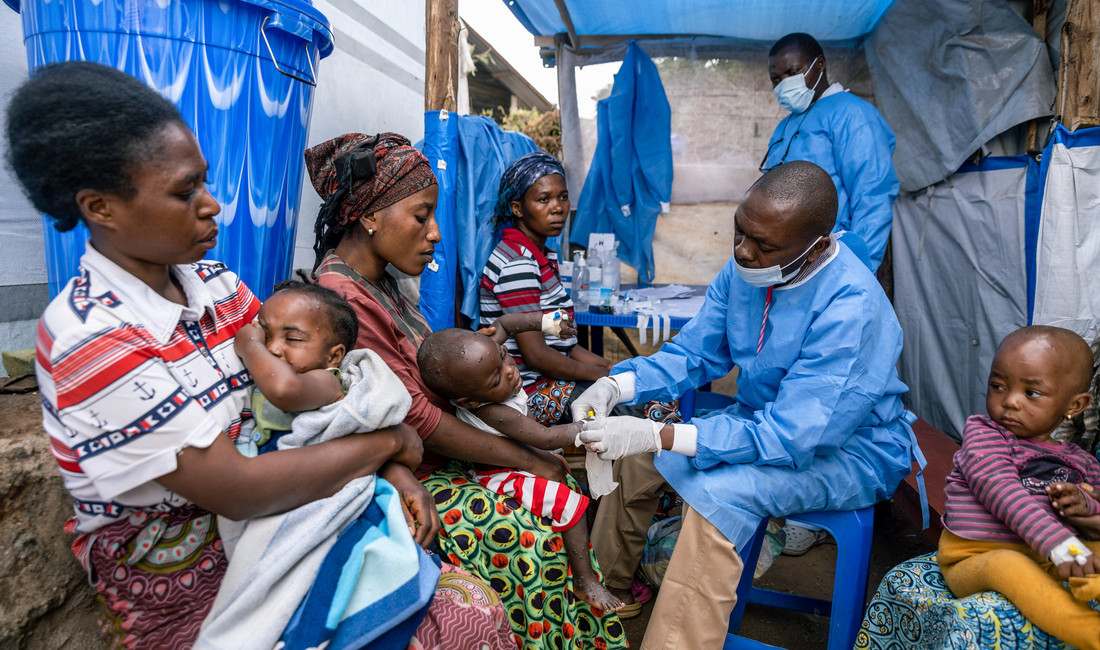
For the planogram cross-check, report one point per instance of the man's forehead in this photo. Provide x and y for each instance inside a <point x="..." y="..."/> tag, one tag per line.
<point x="790" y="55"/>
<point x="769" y="215"/>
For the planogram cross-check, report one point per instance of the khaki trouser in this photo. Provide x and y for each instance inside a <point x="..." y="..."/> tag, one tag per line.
<point x="624" y="516"/>
<point x="699" y="589"/>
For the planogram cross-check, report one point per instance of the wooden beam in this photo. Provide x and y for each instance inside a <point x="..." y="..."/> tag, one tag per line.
<point x="1078" y="101"/>
<point x="1039" y="12"/>
<point x="441" y="55"/>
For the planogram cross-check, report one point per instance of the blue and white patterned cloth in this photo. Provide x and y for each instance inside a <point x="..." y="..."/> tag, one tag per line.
<point x="914" y="610"/>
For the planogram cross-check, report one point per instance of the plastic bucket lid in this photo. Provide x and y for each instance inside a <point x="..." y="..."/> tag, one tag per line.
<point x="310" y="19"/>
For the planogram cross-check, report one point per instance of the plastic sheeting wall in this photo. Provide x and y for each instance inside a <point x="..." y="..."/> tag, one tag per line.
<point x="1067" y="257"/>
<point x="469" y="153"/>
<point x="980" y="54"/>
<point x="959" y="285"/>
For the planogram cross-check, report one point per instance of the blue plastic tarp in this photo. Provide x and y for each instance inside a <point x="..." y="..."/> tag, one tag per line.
<point x="469" y="153"/>
<point x="631" y="172"/>
<point x="757" y="20"/>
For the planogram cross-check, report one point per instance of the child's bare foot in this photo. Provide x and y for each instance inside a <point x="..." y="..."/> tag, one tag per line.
<point x="592" y="591"/>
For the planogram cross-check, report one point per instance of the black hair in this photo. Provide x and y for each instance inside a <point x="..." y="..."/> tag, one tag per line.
<point x="80" y="125"/>
<point x="806" y="187"/>
<point x="804" y="43"/>
<point x="341" y="316"/>
<point x="438" y="360"/>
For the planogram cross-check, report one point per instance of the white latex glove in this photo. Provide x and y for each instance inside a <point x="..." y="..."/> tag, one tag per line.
<point x="1070" y="549"/>
<point x="597" y="401"/>
<point x="621" y="436"/>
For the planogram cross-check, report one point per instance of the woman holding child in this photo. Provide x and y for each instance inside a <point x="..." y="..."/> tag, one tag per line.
<point x="130" y="351"/>
<point x="379" y="204"/>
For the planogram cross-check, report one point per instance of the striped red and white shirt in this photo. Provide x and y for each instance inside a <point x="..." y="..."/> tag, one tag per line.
<point x="996" y="491"/>
<point x="519" y="279"/>
<point x="545" y="498"/>
<point x="128" y="379"/>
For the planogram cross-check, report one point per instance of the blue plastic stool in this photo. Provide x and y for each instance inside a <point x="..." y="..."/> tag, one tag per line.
<point x="852" y="531"/>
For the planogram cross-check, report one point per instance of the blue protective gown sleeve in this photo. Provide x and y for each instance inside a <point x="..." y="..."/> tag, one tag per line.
<point x="837" y="379"/>
<point x="863" y="152"/>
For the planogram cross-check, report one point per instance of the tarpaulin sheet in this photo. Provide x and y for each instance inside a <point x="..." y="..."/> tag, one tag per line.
<point x="631" y="172"/>
<point x="960" y="284"/>
<point x="949" y="76"/>
<point x="437" y="285"/>
<point x="759" y="20"/>
<point x="469" y="153"/>
<point x="1067" y="256"/>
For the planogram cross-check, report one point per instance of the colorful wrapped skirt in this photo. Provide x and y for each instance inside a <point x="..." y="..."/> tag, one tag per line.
<point x="523" y="560"/>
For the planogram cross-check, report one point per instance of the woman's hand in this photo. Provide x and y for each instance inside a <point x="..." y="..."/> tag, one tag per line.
<point x="411" y="451"/>
<point x="416" y="502"/>
<point x="551" y="467"/>
<point x="1068" y="499"/>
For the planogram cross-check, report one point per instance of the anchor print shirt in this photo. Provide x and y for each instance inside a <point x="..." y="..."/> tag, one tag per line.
<point x="128" y="379"/>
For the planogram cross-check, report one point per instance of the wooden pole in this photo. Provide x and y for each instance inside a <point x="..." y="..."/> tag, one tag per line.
<point x="1078" y="102"/>
<point x="441" y="56"/>
<point x="1039" y="11"/>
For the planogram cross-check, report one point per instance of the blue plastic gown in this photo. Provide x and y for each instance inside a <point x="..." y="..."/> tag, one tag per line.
<point x="631" y="171"/>
<point x="817" y="422"/>
<point x="849" y="139"/>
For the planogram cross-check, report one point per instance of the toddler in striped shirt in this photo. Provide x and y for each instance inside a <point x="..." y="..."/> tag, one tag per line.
<point x="475" y="371"/>
<point x="1015" y="494"/>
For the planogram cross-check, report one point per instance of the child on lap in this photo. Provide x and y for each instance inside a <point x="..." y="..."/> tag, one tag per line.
<point x="481" y="379"/>
<point x="1015" y="505"/>
<point x="293" y="351"/>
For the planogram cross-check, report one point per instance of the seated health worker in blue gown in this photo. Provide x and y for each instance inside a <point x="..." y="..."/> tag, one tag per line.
<point x="840" y="133"/>
<point x="817" y="422"/>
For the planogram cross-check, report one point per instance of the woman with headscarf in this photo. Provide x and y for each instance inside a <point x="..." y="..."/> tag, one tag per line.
<point x="379" y="205"/>
<point x="522" y="276"/>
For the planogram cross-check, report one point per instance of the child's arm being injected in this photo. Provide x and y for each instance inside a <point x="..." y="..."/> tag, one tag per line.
<point x="280" y="384"/>
<point x="529" y="431"/>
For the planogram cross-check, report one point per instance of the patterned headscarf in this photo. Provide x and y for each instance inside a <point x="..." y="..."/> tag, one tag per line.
<point x="521" y="175"/>
<point x="358" y="174"/>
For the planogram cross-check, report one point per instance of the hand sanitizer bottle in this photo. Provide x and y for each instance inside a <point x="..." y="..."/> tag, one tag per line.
<point x="580" y="289"/>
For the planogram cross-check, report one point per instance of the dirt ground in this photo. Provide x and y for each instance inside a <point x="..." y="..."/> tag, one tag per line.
<point x="896" y="539"/>
<point x="45" y="601"/>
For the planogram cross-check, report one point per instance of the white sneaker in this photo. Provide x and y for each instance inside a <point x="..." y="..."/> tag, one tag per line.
<point x="800" y="540"/>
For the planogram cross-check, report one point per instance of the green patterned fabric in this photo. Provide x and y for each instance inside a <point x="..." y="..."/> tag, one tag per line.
<point x="523" y="560"/>
<point x="914" y="610"/>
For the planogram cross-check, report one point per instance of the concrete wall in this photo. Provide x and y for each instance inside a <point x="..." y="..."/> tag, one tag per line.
<point x="723" y="114"/>
<point x="23" y="292"/>
<point x="372" y="82"/>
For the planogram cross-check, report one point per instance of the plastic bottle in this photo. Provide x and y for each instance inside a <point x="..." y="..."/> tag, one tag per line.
<point x="580" y="288"/>
<point x="611" y="277"/>
<point x="595" y="280"/>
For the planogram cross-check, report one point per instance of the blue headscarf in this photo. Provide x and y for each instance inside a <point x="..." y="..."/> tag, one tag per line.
<point x="520" y="175"/>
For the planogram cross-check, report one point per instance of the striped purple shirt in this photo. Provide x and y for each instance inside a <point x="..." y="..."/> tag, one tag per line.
<point x="996" y="491"/>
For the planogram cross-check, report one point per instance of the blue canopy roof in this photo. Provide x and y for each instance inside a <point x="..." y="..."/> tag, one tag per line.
<point x="753" y="20"/>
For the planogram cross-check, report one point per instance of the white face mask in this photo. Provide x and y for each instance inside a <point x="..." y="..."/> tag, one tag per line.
<point x="771" y="275"/>
<point x="792" y="92"/>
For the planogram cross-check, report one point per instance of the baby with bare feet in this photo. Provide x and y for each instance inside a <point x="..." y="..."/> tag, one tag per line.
<point x="475" y="372"/>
